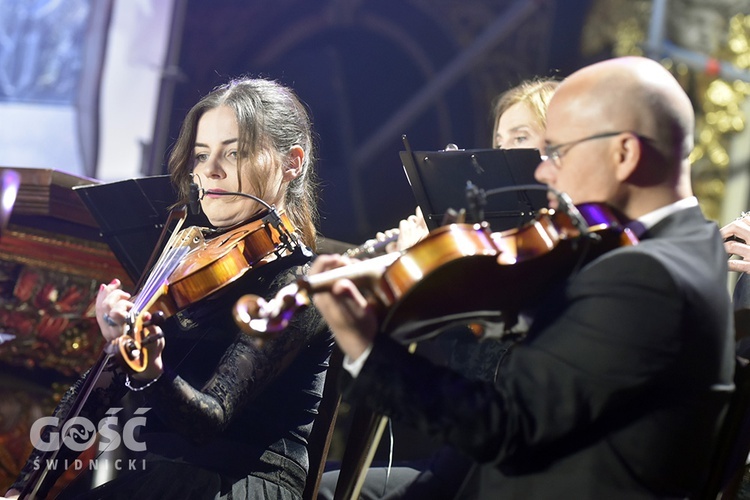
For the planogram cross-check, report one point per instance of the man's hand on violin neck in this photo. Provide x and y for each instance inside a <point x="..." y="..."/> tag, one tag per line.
<point x="349" y="315"/>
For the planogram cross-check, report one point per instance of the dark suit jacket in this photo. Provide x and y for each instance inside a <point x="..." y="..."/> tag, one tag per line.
<point x="616" y="392"/>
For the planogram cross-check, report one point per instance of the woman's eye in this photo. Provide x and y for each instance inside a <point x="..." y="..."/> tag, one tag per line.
<point x="232" y="154"/>
<point x="520" y="139"/>
<point x="201" y="157"/>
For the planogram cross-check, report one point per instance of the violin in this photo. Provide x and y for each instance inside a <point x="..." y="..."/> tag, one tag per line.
<point x="195" y="263"/>
<point x="458" y="271"/>
<point x="198" y="265"/>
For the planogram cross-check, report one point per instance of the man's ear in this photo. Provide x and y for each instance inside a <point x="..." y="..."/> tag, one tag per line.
<point x="293" y="163"/>
<point x="627" y="155"/>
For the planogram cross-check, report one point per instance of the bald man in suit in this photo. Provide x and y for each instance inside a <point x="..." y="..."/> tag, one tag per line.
<point x="618" y="388"/>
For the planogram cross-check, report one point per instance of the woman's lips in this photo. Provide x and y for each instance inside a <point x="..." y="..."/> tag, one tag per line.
<point x="214" y="193"/>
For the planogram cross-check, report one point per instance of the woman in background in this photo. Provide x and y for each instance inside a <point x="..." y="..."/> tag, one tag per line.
<point x="520" y="115"/>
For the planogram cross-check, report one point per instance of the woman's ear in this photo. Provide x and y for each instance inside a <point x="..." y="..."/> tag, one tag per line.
<point x="293" y="163"/>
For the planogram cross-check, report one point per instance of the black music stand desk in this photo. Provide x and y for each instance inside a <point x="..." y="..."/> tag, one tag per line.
<point x="439" y="179"/>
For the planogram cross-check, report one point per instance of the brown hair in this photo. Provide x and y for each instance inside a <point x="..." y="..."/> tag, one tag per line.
<point x="271" y="120"/>
<point x="536" y="93"/>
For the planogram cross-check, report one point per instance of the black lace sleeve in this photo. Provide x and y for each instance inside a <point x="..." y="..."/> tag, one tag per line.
<point x="244" y="371"/>
<point x="107" y="391"/>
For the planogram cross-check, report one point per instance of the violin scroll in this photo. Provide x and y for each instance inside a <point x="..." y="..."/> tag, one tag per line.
<point x="132" y="346"/>
<point x="264" y="318"/>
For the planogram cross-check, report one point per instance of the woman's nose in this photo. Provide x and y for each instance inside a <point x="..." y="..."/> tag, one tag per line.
<point x="212" y="168"/>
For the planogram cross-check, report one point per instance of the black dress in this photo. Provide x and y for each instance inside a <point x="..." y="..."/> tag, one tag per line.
<point x="227" y="419"/>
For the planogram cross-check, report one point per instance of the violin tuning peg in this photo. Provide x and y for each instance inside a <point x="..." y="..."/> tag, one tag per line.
<point x="158" y="318"/>
<point x="152" y="338"/>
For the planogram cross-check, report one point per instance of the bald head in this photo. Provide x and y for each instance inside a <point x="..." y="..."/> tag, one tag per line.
<point x="625" y="129"/>
<point x="635" y="94"/>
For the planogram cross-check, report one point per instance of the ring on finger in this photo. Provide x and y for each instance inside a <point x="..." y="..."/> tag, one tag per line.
<point x="108" y="319"/>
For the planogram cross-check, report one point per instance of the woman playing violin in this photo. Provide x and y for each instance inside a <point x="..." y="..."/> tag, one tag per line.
<point x="227" y="419"/>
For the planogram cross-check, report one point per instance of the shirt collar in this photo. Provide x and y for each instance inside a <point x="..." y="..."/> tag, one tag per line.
<point x="650" y="219"/>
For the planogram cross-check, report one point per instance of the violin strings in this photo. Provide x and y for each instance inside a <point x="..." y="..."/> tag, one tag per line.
<point x="167" y="264"/>
<point x="171" y="243"/>
<point x="169" y="247"/>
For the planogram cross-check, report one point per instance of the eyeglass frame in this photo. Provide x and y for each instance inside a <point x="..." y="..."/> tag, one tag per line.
<point x="555" y="155"/>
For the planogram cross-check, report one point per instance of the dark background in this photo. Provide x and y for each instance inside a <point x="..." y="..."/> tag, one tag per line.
<point x="356" y="65"/>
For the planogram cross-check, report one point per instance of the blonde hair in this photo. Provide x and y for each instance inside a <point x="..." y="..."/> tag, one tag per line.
<point x="535" y="93"/>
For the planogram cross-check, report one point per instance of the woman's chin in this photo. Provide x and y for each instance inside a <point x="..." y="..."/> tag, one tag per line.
<point x="220" y="220"/>
<point x="223" y="222"/>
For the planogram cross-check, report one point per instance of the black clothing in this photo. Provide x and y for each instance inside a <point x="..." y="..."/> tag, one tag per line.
<point x="448" y="471"/>
<point x="224" y="406"/>
<point x="616" y="391"/>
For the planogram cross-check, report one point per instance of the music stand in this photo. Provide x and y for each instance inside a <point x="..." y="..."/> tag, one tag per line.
<point x="131" y="215"/>
<point x="439" y="178"/>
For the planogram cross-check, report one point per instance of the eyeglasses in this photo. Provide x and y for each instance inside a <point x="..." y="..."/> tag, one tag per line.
<point x="553" y="152"/>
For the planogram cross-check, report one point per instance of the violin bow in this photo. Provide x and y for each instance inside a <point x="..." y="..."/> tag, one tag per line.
<point x="39" y="475"/>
